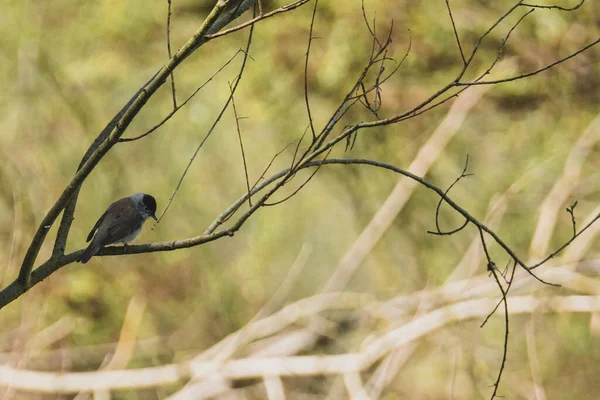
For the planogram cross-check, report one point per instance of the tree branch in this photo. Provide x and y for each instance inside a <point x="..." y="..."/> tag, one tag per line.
<point x="14" y="290"/>
<point x="258" y="367"/>
<point x="110" y="136"/>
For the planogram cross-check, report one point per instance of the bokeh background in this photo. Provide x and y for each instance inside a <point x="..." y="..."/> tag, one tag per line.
<point x="67" y="68"/>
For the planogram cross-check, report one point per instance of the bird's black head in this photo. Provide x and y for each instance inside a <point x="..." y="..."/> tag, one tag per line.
<point x="150" y="205"/>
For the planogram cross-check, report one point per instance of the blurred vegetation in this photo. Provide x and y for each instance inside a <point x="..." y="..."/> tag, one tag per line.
<point x="68" y="67"/>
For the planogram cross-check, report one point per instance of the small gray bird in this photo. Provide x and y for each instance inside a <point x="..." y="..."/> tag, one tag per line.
<point x="121" y="222"/>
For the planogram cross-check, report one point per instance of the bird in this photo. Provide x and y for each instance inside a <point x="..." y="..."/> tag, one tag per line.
<point x="121" y="222"/>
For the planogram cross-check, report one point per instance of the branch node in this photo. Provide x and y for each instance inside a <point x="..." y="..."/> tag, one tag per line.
<point x="571" y="211"/>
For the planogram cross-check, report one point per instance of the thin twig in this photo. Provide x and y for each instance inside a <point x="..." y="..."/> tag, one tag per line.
<point x="565" y="244"/>
<point x="15" y="289"/>
<point x="174" y="111"/>
<point x="555" y="7"/>
<point x="299" y="187"/>
<point x="502" y="46"/>
<point x="239" y="133"/>
<point x="483" y="36"/>
<point x="462" y="54"/>
<point x="214" y="125"/>
<point x="104" y="143"/>
<point x="291" y="366"/>
<point x="463" y="174"/>
<point x="350" y="98"/>
<point x="532" y="73"/>
<point x="230" y="211"/>
<point x="493" y="270"/>
<point x="310" y="39"/>
<point x="173" y="92"/>
<point x="254" y="20"/>
<point x="371" y="30"/>
<point x="506" y="333"/>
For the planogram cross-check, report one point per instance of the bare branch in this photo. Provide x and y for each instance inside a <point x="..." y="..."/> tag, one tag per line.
<point x="239" y="133"/>
<point x="355" y="387"/>
<point x="254" y="20"/>
<point x="65" y="223"/>
<point x="367" y="90"/>
<point x="503" y="45"/>
<point x="106" y="141"/>
<point x="555" y="7"/>
<point x="483" y="36"/>
<point x="299" y="187"/>
<point x="214" y="125"/>
<point x="15" y="290"/>
<point x="462" y="54"/>
<point x="565" y="244"/>
<point x="173" y="92"/>
<point x="274" y="388"/>
<point x="532" y="73"/>
<point x="463" y="174"/>
<point x="310" y="39"/>
<point x="231" y="210"/>
<point x="371" y="30"/>
<point x="174" y="111"/>
<point x="257" y="367"/>
<point x="506" y="332"/>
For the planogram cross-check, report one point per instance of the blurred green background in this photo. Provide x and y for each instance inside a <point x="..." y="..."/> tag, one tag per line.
<point x="68" y="67"/>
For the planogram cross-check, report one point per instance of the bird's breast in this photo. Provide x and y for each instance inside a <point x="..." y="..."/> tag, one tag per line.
<point x="129" y="238"/>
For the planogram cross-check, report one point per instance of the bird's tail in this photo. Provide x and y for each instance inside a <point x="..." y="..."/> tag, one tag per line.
<point x="91" y="250"/>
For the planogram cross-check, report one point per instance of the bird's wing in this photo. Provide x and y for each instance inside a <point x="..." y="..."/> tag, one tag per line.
<point x="99" y="222"/>
<point x="91" y="234"/>
<point x="120" y="224"/>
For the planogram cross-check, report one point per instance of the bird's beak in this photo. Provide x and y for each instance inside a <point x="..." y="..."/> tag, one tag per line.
<point x="154" y="217"/>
